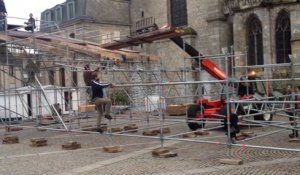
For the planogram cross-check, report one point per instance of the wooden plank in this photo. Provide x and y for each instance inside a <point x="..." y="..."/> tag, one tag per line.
<point x="58" y="46"/>
<point x="294" y="140"/>
<point x="86" y="108"/>
<point x="28" y="42"/>
<point x="231" y="161"/>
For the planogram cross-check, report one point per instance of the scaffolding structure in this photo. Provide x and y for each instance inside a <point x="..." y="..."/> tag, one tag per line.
<point x="147" y="85"/>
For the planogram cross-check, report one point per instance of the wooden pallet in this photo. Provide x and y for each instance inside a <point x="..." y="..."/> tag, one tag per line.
<point x="112" y="149"/>
<point x="9" y="139"/>
<point x="38" y="142"/>
<point x="177" y="110"/>
<point x="12" y="128"/>
<point x="163" y="153"/>
<point x="131" y="128"/>
<point x="71" y="145"/>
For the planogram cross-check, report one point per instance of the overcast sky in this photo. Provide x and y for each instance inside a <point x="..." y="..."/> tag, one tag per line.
<point x="22" y="8"/>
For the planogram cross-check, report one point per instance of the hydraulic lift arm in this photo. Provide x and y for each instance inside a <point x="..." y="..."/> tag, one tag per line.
<point x="206" y="63"/>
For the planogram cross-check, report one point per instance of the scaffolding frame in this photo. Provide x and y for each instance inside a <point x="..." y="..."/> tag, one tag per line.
<point x="162" y="80"/>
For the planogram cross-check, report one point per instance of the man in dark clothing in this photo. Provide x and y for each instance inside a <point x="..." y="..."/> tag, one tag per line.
<point x="290" y="110"/>
<point x="87" y="78"/>
<point x="3" y="13"/>
<point x="100" y="100"/>
<point x="30" y="23"/>
<point x="244" y="88"/>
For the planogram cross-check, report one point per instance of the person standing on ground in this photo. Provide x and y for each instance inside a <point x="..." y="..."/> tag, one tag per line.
<point x="290" y="108"/>
<point x="30" y="23"/>
<point x="87" y="78"/>
<point x="100" y="100"/>
<point x="293" y="121"/>
<point x="3" y="13"/>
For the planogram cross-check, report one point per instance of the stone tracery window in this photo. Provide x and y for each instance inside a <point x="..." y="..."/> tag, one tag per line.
<point x="254" y="41"/>
<point x="283" y="37"/>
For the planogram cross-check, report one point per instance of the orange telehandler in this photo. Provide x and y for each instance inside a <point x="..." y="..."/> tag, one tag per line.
<point x="205" y="109"/>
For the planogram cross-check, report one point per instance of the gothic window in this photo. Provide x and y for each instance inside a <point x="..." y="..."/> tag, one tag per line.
<point x="178" y="13"/>
<point x="283" y="37"/>
<point x="254" y="41"/>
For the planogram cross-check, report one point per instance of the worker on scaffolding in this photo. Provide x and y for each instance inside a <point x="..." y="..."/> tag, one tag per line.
<point x="3" y="13"/>
<point x="87" y="78"/>
<point x="99" y="99"/>
<point x="30" y="23"/>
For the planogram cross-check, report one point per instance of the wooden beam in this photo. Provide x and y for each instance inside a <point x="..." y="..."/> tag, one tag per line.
<point x="58" y="46"/>
<point x="30" y="43"/>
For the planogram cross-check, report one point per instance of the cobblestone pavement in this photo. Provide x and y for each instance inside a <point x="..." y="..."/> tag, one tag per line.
<point x="136" y="159"/>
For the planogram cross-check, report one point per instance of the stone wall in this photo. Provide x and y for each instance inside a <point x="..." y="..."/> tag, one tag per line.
<point x="109" y="11"/>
